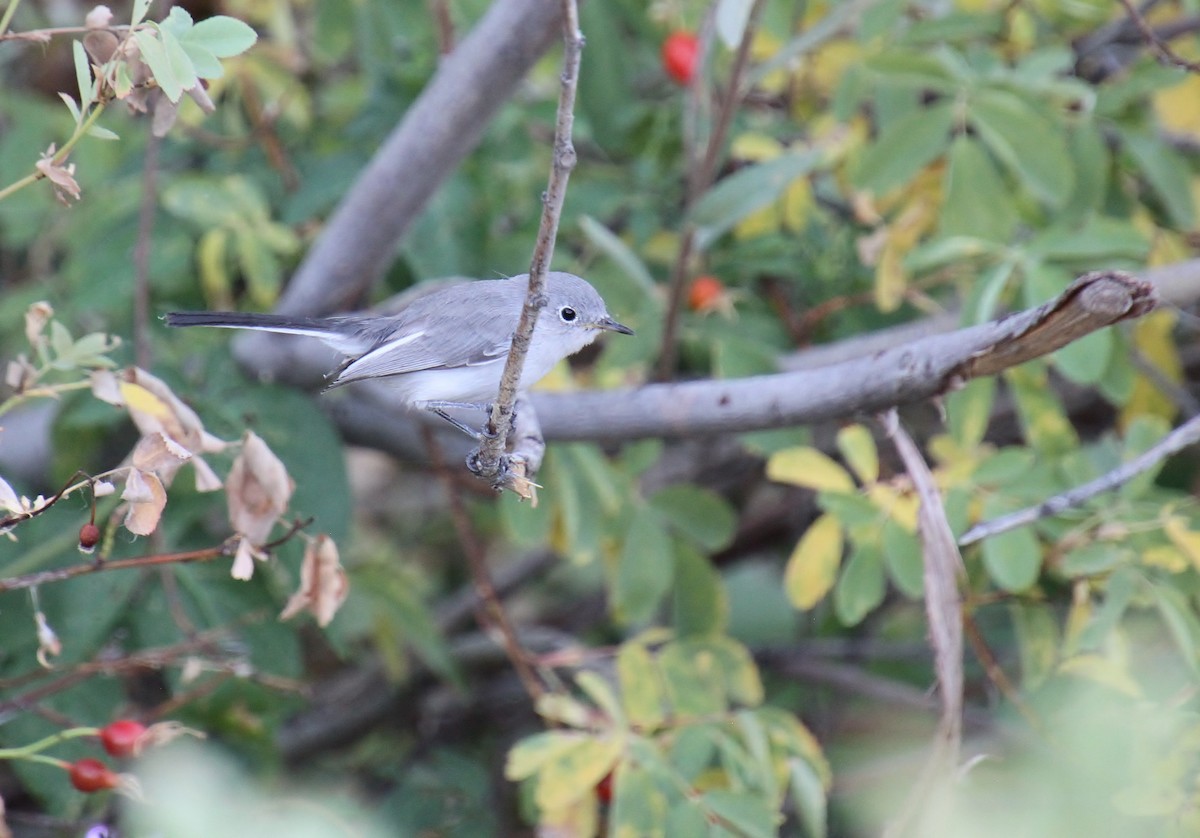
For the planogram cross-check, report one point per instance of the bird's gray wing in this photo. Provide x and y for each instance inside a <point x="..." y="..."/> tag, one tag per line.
<point x="444" y="330"/>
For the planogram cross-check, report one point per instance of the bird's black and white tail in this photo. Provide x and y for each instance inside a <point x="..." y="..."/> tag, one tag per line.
<point x="243" y="320"/>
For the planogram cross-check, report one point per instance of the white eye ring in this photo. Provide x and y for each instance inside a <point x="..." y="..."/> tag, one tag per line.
<point x="567" y="314"/>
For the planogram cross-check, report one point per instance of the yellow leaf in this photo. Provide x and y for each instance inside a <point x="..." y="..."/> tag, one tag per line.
<point x="901" y="504"/>
<point x="813" y="566"/>
<point x="1080" y="614"/>
<point x="755" y="147"/>
<point x="1187" y="540"/>
<point x="1153" y="336"/>
<point x="1178" y="107"/>
<point x="761" y="222"/>
<point x="891" y="280"/>
<point x="572" y="774"/>
<point x="857" y="446"/>
<point x="808" y="467"/>
<point x="798" y="204"/>
<point x="661" y="248"/>
<point x="830" y="63"/>
<point x="1169" y="558"/>
<point x="1102" y="671"/>
<point x="764" y="46"/>
<point x="137" y="397"/>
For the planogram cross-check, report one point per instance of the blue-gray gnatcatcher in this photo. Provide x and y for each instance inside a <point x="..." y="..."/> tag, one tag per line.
<point x="447" y="348"/>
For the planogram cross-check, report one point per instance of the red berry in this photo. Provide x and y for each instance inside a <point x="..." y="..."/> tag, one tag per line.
<point x="679" y="53"/>
<point x="89" y="775"/>
<point x="604" y="789"/>
<point x="705" y="293"/>
<point x="89" y="537"/>
<point x="122" y="738"/>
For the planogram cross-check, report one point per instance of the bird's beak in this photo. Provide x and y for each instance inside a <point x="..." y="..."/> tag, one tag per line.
<point x="611" y="325"/>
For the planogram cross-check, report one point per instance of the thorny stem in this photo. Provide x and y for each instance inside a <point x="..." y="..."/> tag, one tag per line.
<point x="499" y="422"/>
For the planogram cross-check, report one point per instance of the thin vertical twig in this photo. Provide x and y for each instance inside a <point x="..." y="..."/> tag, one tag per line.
<point x="943" y="609"/>
<point x="141" y="253"/>
<point x="487" y="460"/>
<point x="702" y="171"/>
<point x="490" y="611"/>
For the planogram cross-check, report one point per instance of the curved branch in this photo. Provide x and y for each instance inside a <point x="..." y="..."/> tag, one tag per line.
<point x="876" y="372"/>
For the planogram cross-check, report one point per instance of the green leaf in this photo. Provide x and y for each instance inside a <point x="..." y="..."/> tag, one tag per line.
<point x="602" y="695"/>
<point x="977" y="200"/>
<point x="1100" y="239"/>
<point x="905" y="147"/>
<point x="1013" y="559"/>
<point x="639" y="805"/>
<point x="180" y="63"/>
<point x="1167" y="173"/>
<point x="697" y="514"/>
<point x="751" y="816"/>
<point x="694" y="683"/>
<point x="969" y="411"/>
<point x="746" y="191"/>
<point x="1029" y="144"/>
<point x="1118" y="596"/>
<point x="1091" y="155"/>
<point x="1036" y="630"/>
<point x="206" y="65"/>
<point x="155" y="57"/>
<point x="1181" y="621"/>
<point x="1085" y="361"/>
<point x="101" y="133"/>
<point x="1008" y="465"/>
<point x="615" y="248"/>
<point x="699" y="602"/>
<point x="642" y="693"/>
<point x="860" y="588"/>
<point x="644" y="570"/>
<point x="83" y="74"/>
<point x="531" y="754"/>
<point x="915" y="70"/>
<point x="1143" y="433"/>
<point x="260" y="267"/>
<point x="905" y="559"/>
<point x="177" y="21"/>
<point x="222" y="36"/>
<point x="742" y="681"/>
<point x="685" y="820"/>
<point x="140" y="8"/>
<point x="808" y="795"/>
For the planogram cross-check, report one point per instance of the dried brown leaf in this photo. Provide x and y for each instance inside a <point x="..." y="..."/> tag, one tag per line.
<point x="323" y="583"/>
<point x="160" y="454"/>
<point x="146" y="497"/>
<point x="63" y="177"/>
<point x="258" y="489"/>
<point x="36" y="318"/>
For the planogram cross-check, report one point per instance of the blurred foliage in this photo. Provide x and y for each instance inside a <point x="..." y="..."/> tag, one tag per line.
<point x="888" y="159"/>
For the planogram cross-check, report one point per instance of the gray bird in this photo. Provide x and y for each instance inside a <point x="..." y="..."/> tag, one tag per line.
<point x="447" y="348"/>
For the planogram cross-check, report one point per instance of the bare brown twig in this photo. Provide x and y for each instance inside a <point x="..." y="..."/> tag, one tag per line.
<point x="1162" y="52"/>
<point x="58" y="574"/>
<point x="487" y="462"/>
<point x="700" y="177"/>
<point x="943" y="609"/>
<point x="492" y="616"/>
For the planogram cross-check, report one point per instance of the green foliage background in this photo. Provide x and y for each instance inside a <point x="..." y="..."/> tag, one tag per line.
<point x="890" y="159"/>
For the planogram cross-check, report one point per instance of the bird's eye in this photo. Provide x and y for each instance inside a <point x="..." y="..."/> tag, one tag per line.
<point x="567" y="314"/>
